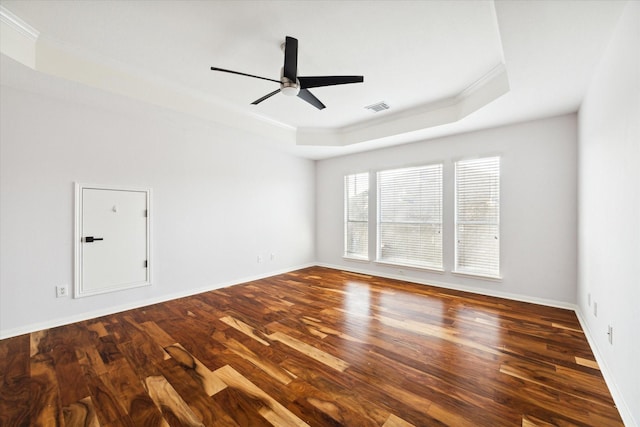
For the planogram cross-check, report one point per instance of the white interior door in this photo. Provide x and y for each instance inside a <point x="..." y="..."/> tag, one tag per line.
<point x="112" y="239"/>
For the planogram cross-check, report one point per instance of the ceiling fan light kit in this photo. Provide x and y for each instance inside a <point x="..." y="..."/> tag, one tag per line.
<point x="291" y="84"/>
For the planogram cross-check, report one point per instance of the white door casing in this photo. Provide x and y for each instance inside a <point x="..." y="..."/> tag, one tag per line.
<point x="112" y="239"/>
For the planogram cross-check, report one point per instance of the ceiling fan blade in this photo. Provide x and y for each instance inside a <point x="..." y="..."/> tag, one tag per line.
<point x="269" y="95"/>
<point x="290" y="58"/>
<point x="311" y="99"/>
<point x="243" y="74"/>
<point x="318" y="81"/>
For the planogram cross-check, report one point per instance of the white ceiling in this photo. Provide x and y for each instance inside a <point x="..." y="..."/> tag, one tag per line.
<point x="444" y="67"/>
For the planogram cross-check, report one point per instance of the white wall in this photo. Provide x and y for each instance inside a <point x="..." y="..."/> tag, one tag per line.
<point x="220" y="198"/>
<point x="538" y="214"/>
<point x="609" y="231"/>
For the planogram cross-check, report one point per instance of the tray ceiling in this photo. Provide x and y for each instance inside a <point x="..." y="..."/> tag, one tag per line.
<point x="441" y="66"/>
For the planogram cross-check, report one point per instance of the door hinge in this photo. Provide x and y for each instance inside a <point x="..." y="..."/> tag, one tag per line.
<point x="146" y="213"/>
<point x="146" y="263"/>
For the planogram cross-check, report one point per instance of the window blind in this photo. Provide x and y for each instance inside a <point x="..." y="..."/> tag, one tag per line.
<point x="477" y="184"/>
<point x="410" y="216"/>
<point x="356" y="207"/>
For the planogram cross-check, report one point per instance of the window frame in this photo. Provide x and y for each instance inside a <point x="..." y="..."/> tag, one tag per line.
<point x="346" y="254"/>
<point x="437" y="267"/>
<point x="458" y="269"/>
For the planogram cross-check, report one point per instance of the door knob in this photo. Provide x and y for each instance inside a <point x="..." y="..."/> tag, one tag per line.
<point x="90" y="239"/>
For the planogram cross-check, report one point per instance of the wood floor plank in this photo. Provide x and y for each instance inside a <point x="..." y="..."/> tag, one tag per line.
<point x="210" y="382"/>
<point x="34" y="342"/>
<point x="108" y="403"/>
<point x="335" y="410"/>
<point x="241" y="407"/>
<point x="317" y="347"/>
<point x="275" y="371"/>
<point x="89" y="359"/>
<point x="336" y="404"/>
<point x="394" y="421"/>
<point x="439" y="332"/>
<point x="558" y="378"/>
<point x="311" y="351"/>
<point x="45" y="408"/>
<point x="81" y="414"/>
<point x="173" y="407"/>
<point x="191" y="391"/>
<point x="326" y="330"/>
<point x="530" y="421"/>
<point x="144" y="412"/>
<point x="244" y="328"/>
<point x="141" y="361"/>
<point x="15" y="381"/>
<point x="270" y="406"/>
<point x="586" y="362"/>
<point x="357" y="395"/>
<point x="97" y="328"/>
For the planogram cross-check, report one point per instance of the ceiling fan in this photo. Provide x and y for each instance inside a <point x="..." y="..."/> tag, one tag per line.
<point x="291" y="84"/>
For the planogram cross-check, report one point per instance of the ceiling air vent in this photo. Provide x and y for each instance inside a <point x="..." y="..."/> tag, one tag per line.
<point x="378" y="106"/>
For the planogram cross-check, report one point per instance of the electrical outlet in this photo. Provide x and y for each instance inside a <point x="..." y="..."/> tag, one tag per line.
<point x="272" y="257"/>
<point x="595" y="309"/>
<point x="259" y="259"/>
<point x="589" y="299"/>
<point x="61" y="291"/>
<point x="610" y="334"/>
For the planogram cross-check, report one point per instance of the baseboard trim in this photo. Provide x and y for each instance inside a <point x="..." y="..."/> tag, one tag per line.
<point x="483" y="291"/>
<point x="27" y="329"/>
<point x="621" y="404"/>
<point x="8" y="333"/>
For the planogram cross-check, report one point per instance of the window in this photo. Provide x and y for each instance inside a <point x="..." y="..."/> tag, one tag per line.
<point x="356" y="216"/>
<point x="478" y="216"/>
<point x="410" y="216"/>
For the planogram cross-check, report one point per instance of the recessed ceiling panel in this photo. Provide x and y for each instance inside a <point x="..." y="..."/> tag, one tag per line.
<point x="441" y="66"/>
<point x="411" y="53"/>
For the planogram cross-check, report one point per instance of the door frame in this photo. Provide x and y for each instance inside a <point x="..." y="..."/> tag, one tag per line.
<point x="79" y="291"/>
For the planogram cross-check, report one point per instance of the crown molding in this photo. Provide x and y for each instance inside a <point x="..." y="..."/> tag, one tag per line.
<point x="18" y="39"/>
<point x="481" y="92"/>
<point x="17" y="24"/>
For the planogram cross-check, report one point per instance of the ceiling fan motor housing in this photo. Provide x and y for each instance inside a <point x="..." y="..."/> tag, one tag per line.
<point x="289" y="87"/>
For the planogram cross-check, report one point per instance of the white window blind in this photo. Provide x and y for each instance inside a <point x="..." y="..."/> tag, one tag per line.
<point x="478" y="216"/>
<point x="410" y="216"/>
<point x="356" y="215"/>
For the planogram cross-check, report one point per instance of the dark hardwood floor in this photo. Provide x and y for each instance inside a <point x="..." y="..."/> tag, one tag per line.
<point x="315" y="347"/>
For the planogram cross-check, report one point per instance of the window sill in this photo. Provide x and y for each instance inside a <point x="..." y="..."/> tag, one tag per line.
<point x="410" y="266"/>
<point x="478" y="276"/>
<point x="351" y="258"/>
